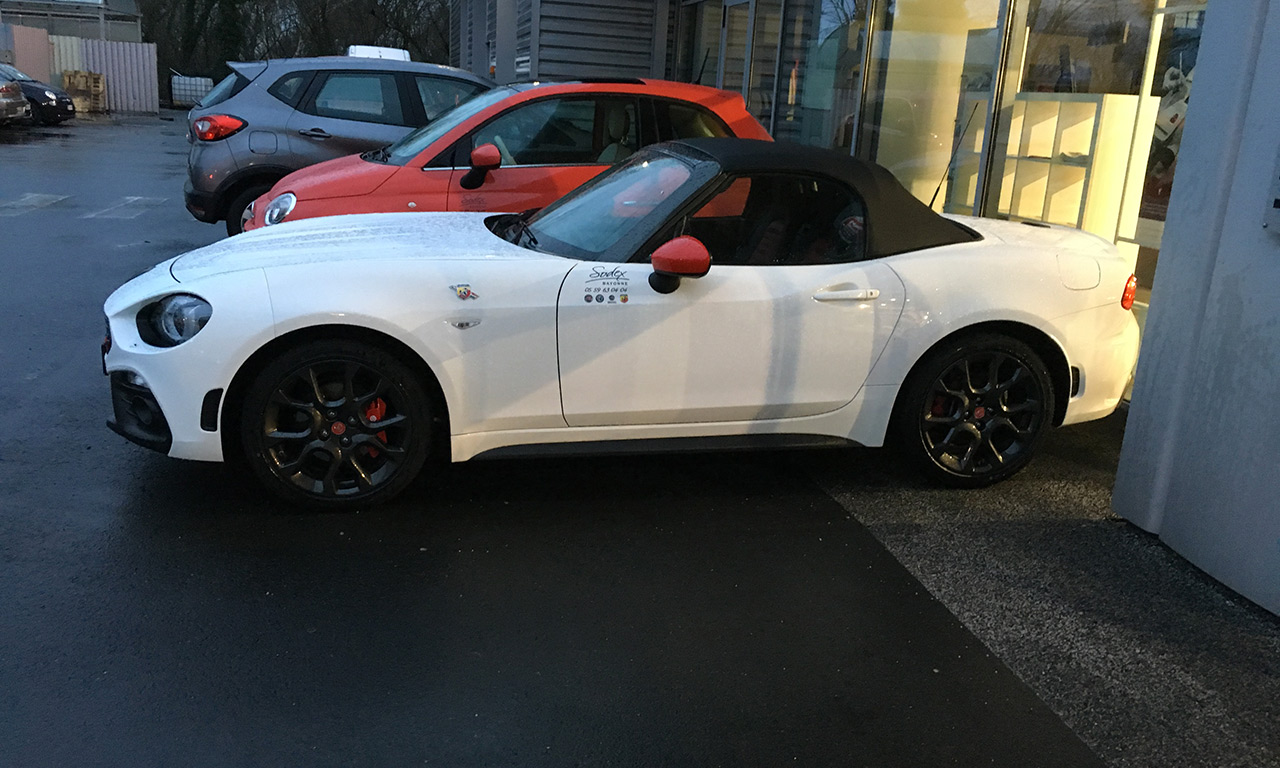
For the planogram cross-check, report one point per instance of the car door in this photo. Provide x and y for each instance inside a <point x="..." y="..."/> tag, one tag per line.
<point x="425" y="187"/>
<point x="549" y="147"/>
<point x="787" y="323"/>
<point x="347" y="112"/>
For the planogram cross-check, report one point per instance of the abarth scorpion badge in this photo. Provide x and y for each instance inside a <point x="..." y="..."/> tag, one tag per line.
<point x="464" y="291"/>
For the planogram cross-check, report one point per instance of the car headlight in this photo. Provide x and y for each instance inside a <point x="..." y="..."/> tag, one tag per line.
<point x="279" y="208"/>
<point x="175" y="319"/>
<point x="51" y="96"/>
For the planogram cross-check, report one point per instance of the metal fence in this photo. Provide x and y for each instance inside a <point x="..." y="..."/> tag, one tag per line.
<point x="67" y="56"/>
<point x="130" y="68"/>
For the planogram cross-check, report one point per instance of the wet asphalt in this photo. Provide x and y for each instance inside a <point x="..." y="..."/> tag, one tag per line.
<point x="735" y="609"/>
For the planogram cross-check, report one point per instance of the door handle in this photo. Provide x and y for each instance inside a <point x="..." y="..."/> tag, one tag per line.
<point x="315" y="133"/>
<point x="856" y="294"/>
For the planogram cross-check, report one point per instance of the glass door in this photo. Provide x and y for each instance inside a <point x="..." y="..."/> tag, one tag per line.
<point x="698" y="42"/>
<point x="1171" y="66"/>
<point x="929" y="94"/>
<point x="735" y="45"/>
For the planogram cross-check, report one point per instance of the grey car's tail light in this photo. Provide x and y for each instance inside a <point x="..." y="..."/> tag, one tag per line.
<point x="216" y="127"/>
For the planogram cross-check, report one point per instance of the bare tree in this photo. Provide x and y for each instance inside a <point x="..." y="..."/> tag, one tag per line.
<point x="197" y="37"/>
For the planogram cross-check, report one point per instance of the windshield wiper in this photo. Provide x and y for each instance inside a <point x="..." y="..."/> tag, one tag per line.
<point x="378" y="155"/>
<point x="520" y="228"/>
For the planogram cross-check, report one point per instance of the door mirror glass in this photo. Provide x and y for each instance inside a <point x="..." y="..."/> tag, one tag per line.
<point x="484" y="158"/>
<point x="684" y="256"/>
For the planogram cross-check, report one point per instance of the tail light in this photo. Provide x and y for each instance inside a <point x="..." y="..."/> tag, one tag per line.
<point x="10" y="88"/>
<point x="215" y="127"/>
<point x="1130" y="291"/>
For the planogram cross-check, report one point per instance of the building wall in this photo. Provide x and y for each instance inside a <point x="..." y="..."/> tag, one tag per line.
<point x="125" y="30"/>
<point x="561" y="39"/>
<point x="31" y="51"/>
<point x="584" y="38"/>
<point x="1199" y="462"/>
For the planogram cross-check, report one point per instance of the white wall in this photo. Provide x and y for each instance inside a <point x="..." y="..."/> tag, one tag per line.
<point x="1201" y="459"/>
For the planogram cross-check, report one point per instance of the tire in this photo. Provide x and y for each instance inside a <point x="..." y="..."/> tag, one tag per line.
<point x="35" y="113"/>
<point x="973" y="411"/>
<point x="335" y="424"/>
<point x="238" y="204"/>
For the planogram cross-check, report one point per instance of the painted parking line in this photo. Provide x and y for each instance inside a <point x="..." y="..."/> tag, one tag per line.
<point x="30" y="201"/>
<point x="127" y="208"/>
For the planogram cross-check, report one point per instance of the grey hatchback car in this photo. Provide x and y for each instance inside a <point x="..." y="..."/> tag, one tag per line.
<point x="270" y="118"/>
<point x="13" y="104"/>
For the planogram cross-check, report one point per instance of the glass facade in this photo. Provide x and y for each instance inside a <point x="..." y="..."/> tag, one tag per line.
<point x="1067" y="111"/>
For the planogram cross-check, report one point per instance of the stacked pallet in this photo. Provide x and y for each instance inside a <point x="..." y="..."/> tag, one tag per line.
<point x="88" y="90"/>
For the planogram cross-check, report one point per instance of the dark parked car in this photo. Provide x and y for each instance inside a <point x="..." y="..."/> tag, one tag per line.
<point x="49" y="104"/>
<point x="270" y="118"/>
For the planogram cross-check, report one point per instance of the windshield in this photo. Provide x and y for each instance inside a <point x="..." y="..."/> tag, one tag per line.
<point x="408" y="147"/>
<point x="13" y="73"/>
<point x="611" y="216"/>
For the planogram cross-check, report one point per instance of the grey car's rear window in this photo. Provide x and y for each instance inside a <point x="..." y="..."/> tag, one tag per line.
<point x="230" y="86"/>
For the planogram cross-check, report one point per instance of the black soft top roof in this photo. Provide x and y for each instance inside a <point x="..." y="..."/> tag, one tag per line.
<point x="896" y="221"/>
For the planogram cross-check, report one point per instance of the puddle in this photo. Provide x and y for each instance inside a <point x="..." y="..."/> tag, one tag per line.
<point x="19" y="134"/>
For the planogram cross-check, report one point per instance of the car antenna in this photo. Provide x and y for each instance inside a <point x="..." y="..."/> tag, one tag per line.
<point x="954" y="150"/>
<point x="702" y="67"/>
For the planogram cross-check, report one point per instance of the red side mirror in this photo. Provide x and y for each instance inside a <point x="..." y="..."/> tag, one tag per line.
<point x="682" y="257"/>
<point x="486" y="157"/>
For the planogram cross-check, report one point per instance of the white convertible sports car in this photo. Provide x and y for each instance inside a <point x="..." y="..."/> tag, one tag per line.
<point x="726" y="290"/>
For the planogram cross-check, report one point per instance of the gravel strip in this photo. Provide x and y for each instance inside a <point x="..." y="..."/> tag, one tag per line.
<point x="1149" y="660"/>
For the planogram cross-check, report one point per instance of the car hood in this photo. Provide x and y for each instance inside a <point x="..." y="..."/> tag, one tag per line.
<point x="359" y="237"/>
<point x="341" y="177"/>
<point x="35" y="88"/>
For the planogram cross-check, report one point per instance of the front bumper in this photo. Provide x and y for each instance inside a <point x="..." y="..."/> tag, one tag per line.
<point x="57" y="111"/>
<point x="138" y="416"/>
<point x="168" y="398"/>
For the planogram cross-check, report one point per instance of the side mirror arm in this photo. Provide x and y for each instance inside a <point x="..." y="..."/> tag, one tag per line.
<point x="474" y="178"/>
<point x="664" y="282"/>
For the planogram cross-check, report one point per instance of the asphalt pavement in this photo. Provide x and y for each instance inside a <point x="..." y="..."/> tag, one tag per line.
<point x="735" y="609"/>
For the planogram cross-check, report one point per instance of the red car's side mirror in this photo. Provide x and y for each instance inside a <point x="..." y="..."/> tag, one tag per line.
<point x="684" y="256"/>
<point x="484" y="158"/>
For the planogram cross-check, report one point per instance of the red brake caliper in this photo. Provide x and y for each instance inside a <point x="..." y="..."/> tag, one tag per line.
<point x="939" y="406"/>
<point x="377" y="411"/>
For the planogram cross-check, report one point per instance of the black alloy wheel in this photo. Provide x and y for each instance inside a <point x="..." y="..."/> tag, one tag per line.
<point x="974" y="412"/>
<point x="336" y="424"/>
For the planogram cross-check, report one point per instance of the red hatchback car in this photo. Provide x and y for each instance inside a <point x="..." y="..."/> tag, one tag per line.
<point x="509" y="149"/>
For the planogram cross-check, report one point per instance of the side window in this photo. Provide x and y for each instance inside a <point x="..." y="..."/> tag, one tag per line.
<point x="440" y="94"/>
<point x="781" y="220"/>
<point x="686" y="121"/>
<point x="368" y="97"/>
<point x="563" y="132"/>
<point x="290" y="87"/>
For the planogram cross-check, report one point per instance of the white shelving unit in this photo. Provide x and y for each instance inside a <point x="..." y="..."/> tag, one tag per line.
<point x="1065" y="164"/>
<point x="1067" y="157"/>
